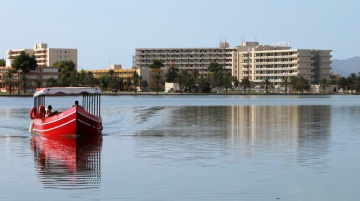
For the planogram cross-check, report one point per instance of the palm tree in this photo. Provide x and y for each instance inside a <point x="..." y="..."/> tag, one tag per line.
<point x="8" y="79"/>
<point x="136" y="80"/>
<point x="245" y="82"/>
<point x="323" y="84"/>
<point x="128" y="82"/>
<point x="266" y="83"/>
<point x="111" y="72"/>
<point x="285" y="84"/>
<point x="156" y="64"/>
<point x="38" y="83"/>
<point x="157" y="79"/>
<point x="23" y="80"/>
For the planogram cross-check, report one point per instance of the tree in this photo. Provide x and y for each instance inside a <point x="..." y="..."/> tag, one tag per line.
<point x="136" y="80"/>
<point x="172" y="73"/>
<point x="245" y="82"/>
<point x="214" y="67"/>
<point x="67" y="72"/>
<point x="112" y="80"/>
<point x="90" y="80"/>
<point x="24" y="62"/>
<point x="128" y="83"/>
<point x="157" y="78"/>
<point x="156" y="64"/>
<point x="266" y="83"/>
<point x="2" y="62"/>
<point x="227" y="81"/>
<point x="182" y="79"/>
<point x="144" y="84"/>
<point x="285" y="83"/>
<point x="215" y="74"/>
<point x="103" y="81"/>
<point x="23" y="81"/>
<point x="8" y="79"/>
<point x="51" y="82"/>
<point x="323" y="84"/>
<point x="333" y="80"/>
<point x="38" y="83"/>
<point x="235" y="81"/>
<point x="300" y="83"/>
<point x="82" y="77"/>
<point x="343" y="83"/>
<point x="111" y="72"/>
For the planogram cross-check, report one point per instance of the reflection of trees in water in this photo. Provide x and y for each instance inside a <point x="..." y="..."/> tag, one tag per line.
<point x="68" y="163"/>
<point x="199" y="121"/>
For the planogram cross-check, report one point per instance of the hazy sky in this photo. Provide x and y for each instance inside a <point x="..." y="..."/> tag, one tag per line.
<point x="108" y="31"/>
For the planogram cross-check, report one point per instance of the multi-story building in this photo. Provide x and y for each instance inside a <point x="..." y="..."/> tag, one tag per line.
<point x="44" y="56"/>
<point x="250" y="59"/>
<point x="186" y="58"/>
<point x="276" y="63"/>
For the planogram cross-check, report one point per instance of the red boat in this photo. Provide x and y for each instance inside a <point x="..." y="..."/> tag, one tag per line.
<point x="82" y="119"/>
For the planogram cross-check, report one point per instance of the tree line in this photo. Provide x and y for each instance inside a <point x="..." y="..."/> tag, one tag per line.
<point x="216" y="78"/>
<point x="15" y="77"/>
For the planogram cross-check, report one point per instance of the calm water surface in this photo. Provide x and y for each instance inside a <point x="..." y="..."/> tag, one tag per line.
<point x="189" y="148"/>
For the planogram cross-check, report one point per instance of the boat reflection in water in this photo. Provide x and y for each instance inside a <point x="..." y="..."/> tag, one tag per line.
<point x="68" y="163"/>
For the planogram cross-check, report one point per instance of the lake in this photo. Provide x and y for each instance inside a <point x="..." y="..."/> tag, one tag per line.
<point x="189" y="147"/>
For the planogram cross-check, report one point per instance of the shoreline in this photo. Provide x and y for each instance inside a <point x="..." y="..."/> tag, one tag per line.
<point x="191" y="94"/>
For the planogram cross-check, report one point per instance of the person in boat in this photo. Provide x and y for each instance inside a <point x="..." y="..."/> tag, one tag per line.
<point x="76" y="104"/>
<point x="48" y="112"/>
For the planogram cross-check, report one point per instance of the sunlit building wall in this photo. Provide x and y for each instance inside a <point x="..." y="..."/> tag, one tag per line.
<point x="277" y="63"/>
<point x="186" y="58"/>
<point x="45" y="56"/>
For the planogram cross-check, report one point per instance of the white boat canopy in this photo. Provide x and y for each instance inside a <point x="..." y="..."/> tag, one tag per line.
<point x="66" y="91"/>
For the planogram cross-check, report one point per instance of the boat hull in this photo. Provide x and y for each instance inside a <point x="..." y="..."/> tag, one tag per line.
<point x="74" y="121"/>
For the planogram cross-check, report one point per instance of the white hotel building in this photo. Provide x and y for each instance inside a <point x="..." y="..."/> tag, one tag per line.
<point x="186" y="58"/>
<point x="44" y="56"/>
<point x="276" y="63"/>
<point x="258" y="62"/>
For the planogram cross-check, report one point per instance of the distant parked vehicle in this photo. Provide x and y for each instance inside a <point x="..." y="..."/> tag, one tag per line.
<point x="167" y="90"/>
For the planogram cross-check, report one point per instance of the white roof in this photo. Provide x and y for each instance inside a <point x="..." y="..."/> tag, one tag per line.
<point x="65" y="90"/>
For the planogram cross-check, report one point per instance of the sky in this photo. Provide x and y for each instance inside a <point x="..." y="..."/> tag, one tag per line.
<point x="108" y="31"/>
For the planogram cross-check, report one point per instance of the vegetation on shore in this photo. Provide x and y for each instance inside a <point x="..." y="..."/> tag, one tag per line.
<point x="217" y="79"/>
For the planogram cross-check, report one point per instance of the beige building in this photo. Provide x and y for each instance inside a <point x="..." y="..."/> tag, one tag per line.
<point x="44" y="56"/>
<point x="186" y="58"/>
<point x="279" y="62"/>
<point x="258" y="62"/>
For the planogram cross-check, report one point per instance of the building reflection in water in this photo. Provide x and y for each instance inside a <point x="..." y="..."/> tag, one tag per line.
<point x="306" y="129"/>
<point x="257" y="128"/>
<point x="67" y="163"/>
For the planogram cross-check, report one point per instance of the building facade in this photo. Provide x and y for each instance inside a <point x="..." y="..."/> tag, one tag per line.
<point x="44" y="56"/>
<point x="276" y="63"/>
<point x="258" y="62"/>
<point x="186" y="58"/>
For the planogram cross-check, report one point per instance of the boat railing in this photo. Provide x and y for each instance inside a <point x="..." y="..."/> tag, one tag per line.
<point x="91" y="103"/>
